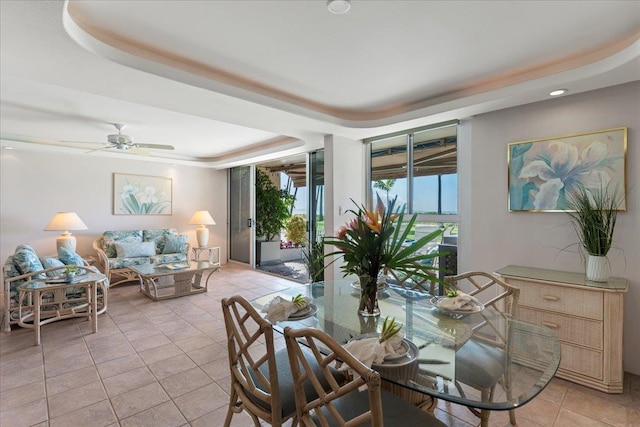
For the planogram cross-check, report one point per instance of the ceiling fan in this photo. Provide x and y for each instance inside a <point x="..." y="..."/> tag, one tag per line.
<point x="123" y="142"/>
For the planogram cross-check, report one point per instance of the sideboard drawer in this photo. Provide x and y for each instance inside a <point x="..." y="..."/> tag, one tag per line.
<point x="581" y="360"/>
<point x="569" y="329"/>
<point x="561" y="299"/>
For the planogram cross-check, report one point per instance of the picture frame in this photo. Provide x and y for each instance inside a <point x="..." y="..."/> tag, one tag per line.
<point x="541" y="172"/>
<point x="142" y="195"/>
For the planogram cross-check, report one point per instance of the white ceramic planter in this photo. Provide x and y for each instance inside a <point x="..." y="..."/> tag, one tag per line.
<point x="598" y="268"/>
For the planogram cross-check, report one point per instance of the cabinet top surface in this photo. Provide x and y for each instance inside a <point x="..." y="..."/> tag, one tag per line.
<point x="614" y="283"/>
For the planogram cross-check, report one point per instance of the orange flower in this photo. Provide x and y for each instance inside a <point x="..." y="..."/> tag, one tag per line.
<point x="342" y="233"/>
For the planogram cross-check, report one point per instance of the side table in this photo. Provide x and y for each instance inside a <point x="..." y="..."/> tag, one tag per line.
<point x="210" y="251"/>
<point x="33" y="291"/>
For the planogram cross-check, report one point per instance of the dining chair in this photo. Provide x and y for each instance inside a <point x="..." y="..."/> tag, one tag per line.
<point x="480" y="361"/>
<point x="261" y="380"/>
<point x="343" y="404"/>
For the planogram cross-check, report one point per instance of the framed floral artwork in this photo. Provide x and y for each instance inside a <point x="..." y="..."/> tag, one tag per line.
<point x="543" y="172"/>
<point x="142" y="195"/>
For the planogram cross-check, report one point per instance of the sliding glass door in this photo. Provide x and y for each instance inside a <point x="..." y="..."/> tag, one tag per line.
<point x="241" y="196"/>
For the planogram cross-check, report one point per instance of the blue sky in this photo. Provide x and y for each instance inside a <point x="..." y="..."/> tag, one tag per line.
<point x="425" y="190"/>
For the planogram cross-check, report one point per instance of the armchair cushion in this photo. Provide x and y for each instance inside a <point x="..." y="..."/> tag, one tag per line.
<point x="168" y="258"/>
<point x="117" y="263"/>
<point x="50" y="262"/>
<point x="26" y="260"/>
<point x="132" y="250"/>
<point x="68" y="257"/>
<point x="175" y="243"/>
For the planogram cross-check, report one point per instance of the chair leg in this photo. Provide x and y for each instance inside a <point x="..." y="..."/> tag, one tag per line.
<point x="512" y="417"/>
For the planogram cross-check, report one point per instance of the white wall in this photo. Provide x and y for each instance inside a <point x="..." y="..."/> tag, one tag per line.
<point x="35" y="185"/>
<point x="498" y="237"/>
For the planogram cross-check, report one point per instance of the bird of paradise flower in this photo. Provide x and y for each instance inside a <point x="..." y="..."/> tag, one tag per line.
<point x="142" y="200"/>
<point x="554" y="170"/>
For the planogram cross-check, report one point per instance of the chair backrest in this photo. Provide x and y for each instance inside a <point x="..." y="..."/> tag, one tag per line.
<point x="332" y="405"/>
<point x="247" y="336"/>
<point x="494" y="293"/>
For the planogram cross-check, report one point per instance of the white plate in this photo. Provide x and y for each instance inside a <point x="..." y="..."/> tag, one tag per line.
<point x="303" y="313"/>
<point x="410" y="349"/>
<point x="477" y="307"/>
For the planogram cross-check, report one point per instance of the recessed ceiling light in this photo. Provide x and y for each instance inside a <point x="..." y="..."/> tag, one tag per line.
<point x="558" y="92"/>
<point x="338" y="7"/>
<point x="8" y="148"/>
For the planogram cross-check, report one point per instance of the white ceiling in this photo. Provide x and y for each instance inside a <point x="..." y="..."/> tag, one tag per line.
<point x="231" y="82"/>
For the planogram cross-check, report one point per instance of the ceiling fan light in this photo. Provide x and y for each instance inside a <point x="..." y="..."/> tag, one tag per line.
<point x="338" y="7"/>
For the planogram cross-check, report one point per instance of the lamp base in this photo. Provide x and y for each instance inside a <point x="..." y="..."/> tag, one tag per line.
<point x="66" y="241"/>
<point x="202" y="235"/>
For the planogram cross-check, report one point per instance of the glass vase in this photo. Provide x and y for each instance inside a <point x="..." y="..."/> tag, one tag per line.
<point x="368" y="296"/>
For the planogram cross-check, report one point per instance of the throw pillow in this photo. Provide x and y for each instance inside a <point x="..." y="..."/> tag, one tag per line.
<point x="175" y="243"/>
<point x="112" y="237"/>
<point x="68" y="257"/>
<point x="158" y="237"/>
<point x="26" y="260"/>
<point x="50" y="262"/>
<point x="134" y="250"/>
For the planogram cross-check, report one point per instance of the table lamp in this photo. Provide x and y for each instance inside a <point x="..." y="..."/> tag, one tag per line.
<point x="202" y="218"/>
<point x="65" y="221"/>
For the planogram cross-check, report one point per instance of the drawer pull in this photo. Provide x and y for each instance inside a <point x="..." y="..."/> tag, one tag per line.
<point x="550" y="325"/>
<point x="550" y="297"/>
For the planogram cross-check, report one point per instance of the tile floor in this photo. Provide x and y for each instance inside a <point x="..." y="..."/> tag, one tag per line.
<point x="165" y="364"/>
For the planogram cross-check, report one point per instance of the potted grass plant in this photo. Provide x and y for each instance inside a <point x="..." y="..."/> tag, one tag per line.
<point x="593" y="215"/>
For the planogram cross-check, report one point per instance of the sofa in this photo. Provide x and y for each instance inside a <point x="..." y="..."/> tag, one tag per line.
<point x="25" y="265"/>
<point x="119" y="250"/>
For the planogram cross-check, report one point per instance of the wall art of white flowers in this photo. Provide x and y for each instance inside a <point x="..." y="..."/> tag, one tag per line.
<point x="141" y="195"/>
<point x="543" y="172"/>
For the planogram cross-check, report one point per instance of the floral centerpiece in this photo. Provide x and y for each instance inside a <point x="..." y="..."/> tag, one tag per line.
<point x="372" y="242"/>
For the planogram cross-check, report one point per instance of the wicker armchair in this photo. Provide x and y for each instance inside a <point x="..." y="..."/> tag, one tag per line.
<point x="343" y="403"/>
<point x="481" y="359"/>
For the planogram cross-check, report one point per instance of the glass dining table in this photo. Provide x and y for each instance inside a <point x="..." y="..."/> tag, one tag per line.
<point x="521" y="357"/>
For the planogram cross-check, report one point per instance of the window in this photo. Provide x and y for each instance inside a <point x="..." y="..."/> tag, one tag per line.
<point x="430" y="187"/>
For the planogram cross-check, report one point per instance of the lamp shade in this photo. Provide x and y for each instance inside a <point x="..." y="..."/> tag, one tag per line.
<point x="65" y="221"/>
<point x="202" y="218"/>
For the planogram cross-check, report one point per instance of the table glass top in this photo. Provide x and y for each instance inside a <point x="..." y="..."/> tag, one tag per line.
<point x="457" y="354"/>
<point x="173" y="268"/>
<point x="49" y="282"/>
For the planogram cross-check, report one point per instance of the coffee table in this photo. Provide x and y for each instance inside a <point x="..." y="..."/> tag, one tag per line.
<point x="173" y="280"/>
<point x="32" y="293"/>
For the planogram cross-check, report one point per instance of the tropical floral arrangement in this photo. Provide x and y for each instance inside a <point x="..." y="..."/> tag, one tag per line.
<point x="374" y="241"/>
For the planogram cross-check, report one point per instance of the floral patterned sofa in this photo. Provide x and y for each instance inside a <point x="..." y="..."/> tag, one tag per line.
<point x="25" y="265"/>
<point x="119" y="250"/>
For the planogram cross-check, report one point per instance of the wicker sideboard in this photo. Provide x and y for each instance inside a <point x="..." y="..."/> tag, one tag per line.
<point x="587" y="316"/>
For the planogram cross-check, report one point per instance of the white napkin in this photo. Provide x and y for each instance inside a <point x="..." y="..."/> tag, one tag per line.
<point x="460" y="302"/>
<point x="371" y="351"/>
<point x="280" y="309"/>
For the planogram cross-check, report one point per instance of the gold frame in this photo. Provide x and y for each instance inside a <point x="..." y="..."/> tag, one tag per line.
<point x="139" y="195"/>
<point x="540" y="168"/>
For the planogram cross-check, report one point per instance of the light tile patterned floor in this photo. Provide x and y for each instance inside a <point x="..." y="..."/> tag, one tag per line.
<point x="165" y="364"/>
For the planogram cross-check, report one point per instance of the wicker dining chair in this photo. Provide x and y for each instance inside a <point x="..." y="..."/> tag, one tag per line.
<point x="343" y="404"/>
<point x="480" y="361"/>
<point x="261" y="381"/>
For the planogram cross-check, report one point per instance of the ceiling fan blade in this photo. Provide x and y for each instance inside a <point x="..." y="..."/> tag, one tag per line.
<point x="98" y="149"/>
<point x="156" y="146"/>
<point x="139" y="151"/>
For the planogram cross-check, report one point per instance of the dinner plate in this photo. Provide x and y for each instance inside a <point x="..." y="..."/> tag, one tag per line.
<point x="477" y="307"/>
<point x="303" y="313"/>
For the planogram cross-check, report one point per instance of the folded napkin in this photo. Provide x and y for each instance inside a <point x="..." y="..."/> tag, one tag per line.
<point x="460" y="302"/>
<point x="371" y="351"/>
<point x="279" y="309"/>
